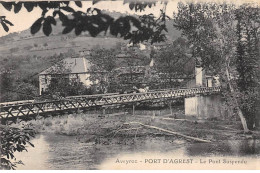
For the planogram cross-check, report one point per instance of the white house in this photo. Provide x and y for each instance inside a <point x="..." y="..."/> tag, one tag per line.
<point x="71" y="68"/>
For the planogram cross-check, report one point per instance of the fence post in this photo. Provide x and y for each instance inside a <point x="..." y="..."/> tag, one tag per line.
<point x="170" y="105"/>
<point x="133" y="109"/>
<point x="104" y="111"/>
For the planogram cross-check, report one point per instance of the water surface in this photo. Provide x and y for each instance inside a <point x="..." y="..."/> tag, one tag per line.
<point x="53" y="151"/>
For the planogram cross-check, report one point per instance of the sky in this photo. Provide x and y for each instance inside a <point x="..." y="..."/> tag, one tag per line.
<point x="23" y="20"/>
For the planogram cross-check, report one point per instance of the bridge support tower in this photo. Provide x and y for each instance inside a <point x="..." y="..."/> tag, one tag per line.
<point x="203" y="106"/>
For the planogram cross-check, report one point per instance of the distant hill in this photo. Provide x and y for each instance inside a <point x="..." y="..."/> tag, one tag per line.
<point x="24" y="43"/>
<point x="23" y="56"/>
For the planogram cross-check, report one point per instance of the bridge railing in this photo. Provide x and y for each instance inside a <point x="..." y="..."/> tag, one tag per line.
<point x="77" y="102"/>
<point x="16" y="102"/>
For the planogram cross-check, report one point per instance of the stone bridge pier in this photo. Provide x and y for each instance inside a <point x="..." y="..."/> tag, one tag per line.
<point x="203" y="106"/>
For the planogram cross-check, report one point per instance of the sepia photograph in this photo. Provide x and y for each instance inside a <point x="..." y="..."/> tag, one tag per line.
<point x="130" y="85"/>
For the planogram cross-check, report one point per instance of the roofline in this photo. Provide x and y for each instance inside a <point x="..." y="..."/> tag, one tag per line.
<point x="50" y="66"/>
<point x="89" y="72"/>
<point x="62" y="73"/>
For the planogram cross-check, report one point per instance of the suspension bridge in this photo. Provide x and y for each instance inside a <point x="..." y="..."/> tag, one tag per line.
<point x="25" y="109"/>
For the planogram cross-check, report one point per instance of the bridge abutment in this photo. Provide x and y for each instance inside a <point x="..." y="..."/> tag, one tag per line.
<point x="203" y="107"/>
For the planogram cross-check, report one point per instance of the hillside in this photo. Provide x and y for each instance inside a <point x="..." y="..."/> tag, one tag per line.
<point x="23" y="56"/>
<point x="24" y="43"/>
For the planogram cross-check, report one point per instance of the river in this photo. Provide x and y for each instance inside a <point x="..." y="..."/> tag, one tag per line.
<point x="54" y="152"/>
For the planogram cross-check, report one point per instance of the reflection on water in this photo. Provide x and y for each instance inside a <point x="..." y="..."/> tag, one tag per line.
<point x="250" y="147"/>
<point x="64" y="152"/>
<point x="36" y="157"/>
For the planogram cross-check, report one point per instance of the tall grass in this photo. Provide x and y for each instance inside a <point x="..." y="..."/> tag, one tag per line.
<point x="72" y="124"/>
<point x="92" y="123"/>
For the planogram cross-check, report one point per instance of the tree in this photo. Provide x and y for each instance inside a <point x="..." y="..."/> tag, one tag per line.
<point x="6" y="82"/>
<point x="61" y="83"/>
<point x="102" y="62"/>
<point x="13" y="140"/>
<point x="248" y="34"/>
<point x="62" y="86"/>
<point x="105" y="61"/>
<point x="211" y="29"/>
<point x="170" y="62"/>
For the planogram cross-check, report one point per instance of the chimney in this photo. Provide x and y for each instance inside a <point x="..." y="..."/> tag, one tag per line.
<point x="199" y="76"/>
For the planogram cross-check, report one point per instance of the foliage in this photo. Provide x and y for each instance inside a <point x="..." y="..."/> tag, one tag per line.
<point x="174" y="62"/>
<point x="26" y="91"/>
<point x="4" y="23"/>
<point x="19" y="75"/>
<point x="62" y="84"/>
<point x="62" y="87"/>
<point x="211" y="29"/>
<point x="104" y="62"/>
<point x="247" y="62"/>
<point x="224" y="38"/>
<point x="103" y="59"/>
<point x="145" y="28"/>
<point x="13" y="140"/>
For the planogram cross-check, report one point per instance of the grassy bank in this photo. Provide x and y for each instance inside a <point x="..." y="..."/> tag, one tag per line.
<point x="89" y="127"/>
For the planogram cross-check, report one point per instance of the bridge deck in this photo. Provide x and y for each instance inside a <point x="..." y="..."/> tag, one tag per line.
<point x="87" y="101"/>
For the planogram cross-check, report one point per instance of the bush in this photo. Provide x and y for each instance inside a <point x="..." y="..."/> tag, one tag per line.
<point x="12" y="140"/>
<point x="48" y="123"/>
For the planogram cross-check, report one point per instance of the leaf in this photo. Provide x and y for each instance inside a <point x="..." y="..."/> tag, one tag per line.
<point x="44" y="11"/>
<point x="12" y="156"/>
<point x="88" y="10"/>
<point x="47" y="28"/>
<point x="68" y="9"/>
<point x="78" y="3"/>
<point x="7" y="5"/>
<point x="36" y="26"/>
<point x="68" y="29"/>
<point x="5" y="27"/>
<point x="78" y="29"/>
<point x="8" y="22"/>
<point x="30" y="143"/>
<point x="17" y="7"/>
<point x="43" y="5"/>
<point x="63" y="17"/>
<point x="135" y="21"/>
<point x="55" y="13"/>
<point x="51" y="20"/>
<point x="95" y="1"/>
<point x="29" y="6"/>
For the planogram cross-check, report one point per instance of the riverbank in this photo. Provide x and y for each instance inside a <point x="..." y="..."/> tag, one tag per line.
<point x="100" y="128"/>
<point x="96" y="140"/>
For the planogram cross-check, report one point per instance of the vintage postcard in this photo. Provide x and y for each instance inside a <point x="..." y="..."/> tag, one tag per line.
<point x="130" y="85"/>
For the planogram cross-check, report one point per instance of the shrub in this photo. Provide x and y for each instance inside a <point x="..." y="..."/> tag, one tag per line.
<point x="47" y="122"/>
<point x="12" y="140"/>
